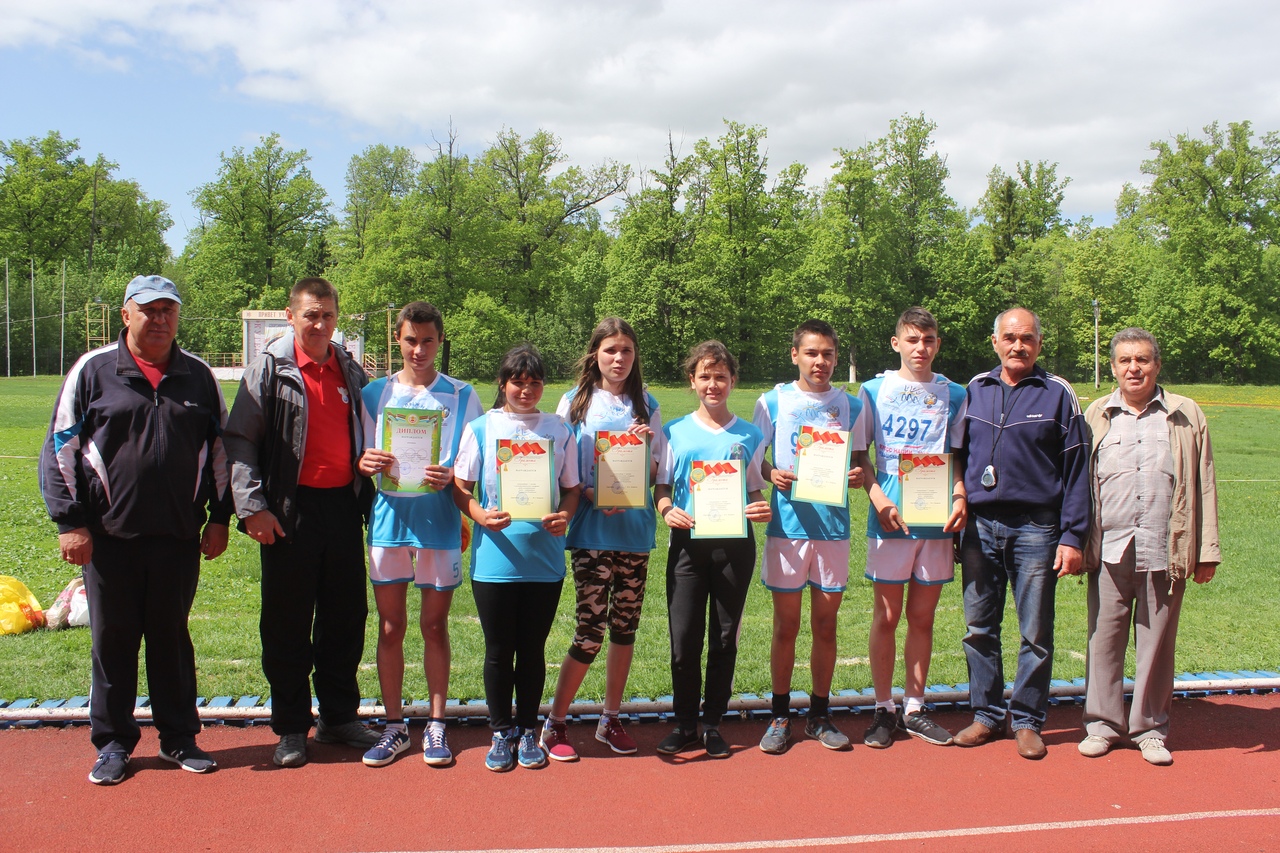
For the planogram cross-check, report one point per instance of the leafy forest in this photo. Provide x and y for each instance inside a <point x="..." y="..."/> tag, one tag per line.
<point x="517" y="243"/>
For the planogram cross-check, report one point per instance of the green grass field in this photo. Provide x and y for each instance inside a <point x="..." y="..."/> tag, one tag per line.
<point x="1218" y="630"/>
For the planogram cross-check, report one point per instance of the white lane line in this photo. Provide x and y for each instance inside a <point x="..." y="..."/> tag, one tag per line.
<point x="802" y="843"/>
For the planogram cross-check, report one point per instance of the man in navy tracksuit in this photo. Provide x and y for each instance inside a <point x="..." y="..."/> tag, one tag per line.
<point x="133" y="458"/>
<point x="1026" y="467"/>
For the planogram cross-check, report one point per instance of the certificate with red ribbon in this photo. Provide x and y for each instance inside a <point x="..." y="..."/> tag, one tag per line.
<point x="719" y="492"/>
<point x="925" y="479"/>
<point x="822" y="466"/>
<point x="525" y="484"/>
<point x="622" y="470"/>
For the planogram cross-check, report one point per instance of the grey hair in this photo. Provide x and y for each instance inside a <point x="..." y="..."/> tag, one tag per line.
<point x="1035" y="318"/>
<point x="1134" y="335"/>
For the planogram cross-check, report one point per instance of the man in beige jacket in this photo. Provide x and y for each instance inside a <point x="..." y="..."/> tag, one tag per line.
<point x="1155" y="524"/>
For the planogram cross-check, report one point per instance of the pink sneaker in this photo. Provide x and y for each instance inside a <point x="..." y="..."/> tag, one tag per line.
<point x="610" y="731"/>
<point x="555" y="740"/>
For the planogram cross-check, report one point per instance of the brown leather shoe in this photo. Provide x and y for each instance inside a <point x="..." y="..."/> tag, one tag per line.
<point x="978" y="733"/>
<point x="1030" y="745"/>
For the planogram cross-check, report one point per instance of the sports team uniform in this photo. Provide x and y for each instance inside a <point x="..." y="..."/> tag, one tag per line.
<point x="516" y="572"/>
<point x="807" y="543"/>
<point x="706" y="577"/>
<point x="610" y="553"/>
<point x="909" y="417"/>
<point x="418" y="537"/>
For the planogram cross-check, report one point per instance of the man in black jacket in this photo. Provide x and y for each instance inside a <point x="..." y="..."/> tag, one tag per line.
<point x="133" y="457"/>
<point x="294" y="438"/>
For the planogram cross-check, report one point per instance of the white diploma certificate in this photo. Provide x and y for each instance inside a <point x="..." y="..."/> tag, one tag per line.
<point x="719" y="491"/>
<point x="412" y="436"/>
<point x="525" y="487"/>
<point x="622" y="470"/>
<point x="925" y="479"/>
<point x="822" y="466"/>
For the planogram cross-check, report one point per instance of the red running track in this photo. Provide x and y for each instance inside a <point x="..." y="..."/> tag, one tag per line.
<point x="1221" y="792"/>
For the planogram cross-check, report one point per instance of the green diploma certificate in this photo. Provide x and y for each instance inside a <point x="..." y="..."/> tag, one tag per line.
<point x="412" y="436"/>
<point x="622" y="470"/>
<point x="525" y="487"/>
<point x="719" y="491"/>
<point x="925" y="479"/>
<point x="822" y="467"/>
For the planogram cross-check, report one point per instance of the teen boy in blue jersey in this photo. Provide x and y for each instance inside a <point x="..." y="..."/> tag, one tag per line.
<point x="416" y="537"/>
<point x="807" y="544"/>
<point x="910" y="410"/>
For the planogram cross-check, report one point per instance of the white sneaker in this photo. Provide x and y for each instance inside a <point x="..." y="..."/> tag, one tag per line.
<point x="1155" y="752"/>
<point x="1094" y="746"/>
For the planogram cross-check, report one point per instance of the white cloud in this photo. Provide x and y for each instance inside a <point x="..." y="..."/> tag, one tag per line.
<point x="1086" y="84"/>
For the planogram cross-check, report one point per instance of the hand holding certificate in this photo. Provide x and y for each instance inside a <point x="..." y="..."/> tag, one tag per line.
<point x="412" y="437"/>
<point x="821" y="467"/>
<point x="926" y="488"/>
<point x="525" y="486"/>
<point x="622" y="470"/>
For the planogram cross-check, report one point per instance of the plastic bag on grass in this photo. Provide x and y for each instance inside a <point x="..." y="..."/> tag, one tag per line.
<point x="79" y="615"/>
<point x="57" y="617"/>
<point x="19" y="609"/>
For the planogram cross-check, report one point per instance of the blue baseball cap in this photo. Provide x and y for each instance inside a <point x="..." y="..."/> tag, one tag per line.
<point x="148" y="288"/>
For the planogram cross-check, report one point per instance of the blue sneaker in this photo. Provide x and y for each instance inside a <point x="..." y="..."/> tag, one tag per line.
<point x="109" y="768"/>
<point x="435" y="748"/>
<point x="530" y="752"/>
<point x="392" y="743"/>
<point x="500" y="758"/>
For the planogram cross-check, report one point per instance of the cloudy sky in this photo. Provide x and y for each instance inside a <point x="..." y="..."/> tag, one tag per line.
<point x="163" y="86"/>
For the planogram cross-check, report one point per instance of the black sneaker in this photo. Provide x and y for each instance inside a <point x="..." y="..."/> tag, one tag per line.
<point x="109" y="768"/>
<point x="191" y="758"/>
<point x="714" y="743"/>
<point x="678" y="741"/>
<point x="880" y="733"/>
<point x="919" y="725"/>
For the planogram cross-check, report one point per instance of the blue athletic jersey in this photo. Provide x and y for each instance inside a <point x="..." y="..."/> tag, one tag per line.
<point x="909" y="417"/>
<point x="690" y="440"/>
<point x="429" y="520"/>
<point x="780" y="412"/>
<point x="632" y="529"/>
<point x="524" y="550"/>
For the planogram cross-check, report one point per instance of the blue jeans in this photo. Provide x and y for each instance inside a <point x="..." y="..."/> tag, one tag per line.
<point x="1016" y="550"/>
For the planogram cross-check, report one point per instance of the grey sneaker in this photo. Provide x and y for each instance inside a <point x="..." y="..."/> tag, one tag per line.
<point x="919" y="725"/>
<point x="824" y="732"/>
<point x="291" y="751"/>
<point x="109" y="768"/>
<point x="354" y="733"/>
<point x="191" y="758"/>
<point x="777" y="736"/>
<point x="879" y="734"/>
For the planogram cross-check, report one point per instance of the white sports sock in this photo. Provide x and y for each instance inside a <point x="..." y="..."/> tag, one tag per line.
<point x="888" y="705"/>
<point x="914" y="705"/>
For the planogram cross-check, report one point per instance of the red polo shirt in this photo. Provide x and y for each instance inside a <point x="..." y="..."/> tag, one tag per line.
<point x="326" y="459"/>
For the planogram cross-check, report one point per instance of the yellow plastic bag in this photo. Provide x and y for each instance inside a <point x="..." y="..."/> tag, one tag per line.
<point x="19" y="609"/>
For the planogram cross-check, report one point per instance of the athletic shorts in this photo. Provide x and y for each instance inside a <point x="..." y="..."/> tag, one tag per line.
<point x="792" y="564"/>
<point x="426" y="567"/>
<point x="926" y="561"/>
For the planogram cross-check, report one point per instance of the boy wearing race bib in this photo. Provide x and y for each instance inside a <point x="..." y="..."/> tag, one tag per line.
<point x="910" y="410"/>
<point x="807" y="544"/>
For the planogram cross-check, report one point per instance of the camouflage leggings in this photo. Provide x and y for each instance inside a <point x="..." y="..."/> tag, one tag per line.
<point x="610" y="587"/>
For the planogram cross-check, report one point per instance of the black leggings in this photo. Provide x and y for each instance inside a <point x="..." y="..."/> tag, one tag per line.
<point x="516" y="619"/>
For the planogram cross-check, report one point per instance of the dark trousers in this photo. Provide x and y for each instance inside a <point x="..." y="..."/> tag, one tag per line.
<point x="314" y="610"/>
<point x="139" y="588"/>
<point x="516" y="619"/>
<point x="707" y="584"/>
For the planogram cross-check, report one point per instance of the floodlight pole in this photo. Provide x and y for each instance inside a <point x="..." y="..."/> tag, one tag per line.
<point x="62" y="342"/>
<point x="8" y="359"/>
<point x="1096" y="382"/>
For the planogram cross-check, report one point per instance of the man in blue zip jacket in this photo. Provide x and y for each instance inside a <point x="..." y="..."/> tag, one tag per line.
<point x="133" y="457"/>
<point x="1026" y="473"/>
